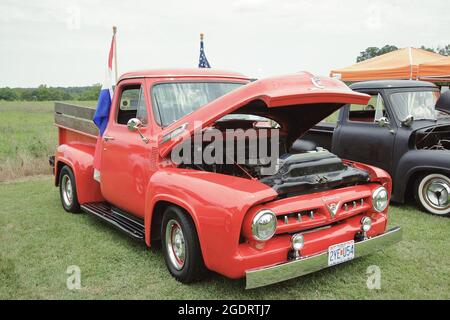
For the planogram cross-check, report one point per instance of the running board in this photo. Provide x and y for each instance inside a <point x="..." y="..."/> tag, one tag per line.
<point x="131" y="225"/>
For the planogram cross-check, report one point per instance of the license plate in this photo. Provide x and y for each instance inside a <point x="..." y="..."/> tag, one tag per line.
<point x="341" y="252"/>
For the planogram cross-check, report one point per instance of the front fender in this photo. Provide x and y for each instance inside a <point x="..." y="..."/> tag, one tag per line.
<point x="376" y="174"/>
<point x="217" y="204"/>
<point x="416" y="161"/>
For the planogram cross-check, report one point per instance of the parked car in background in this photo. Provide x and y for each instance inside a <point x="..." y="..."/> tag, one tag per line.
<point x="443" y="103"/>
<point x="401" y="131"/>
<point x="314" y="211"/>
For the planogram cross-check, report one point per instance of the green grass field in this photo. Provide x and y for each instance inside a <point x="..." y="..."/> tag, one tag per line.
<point x="27" y="137"/>
<point x="39" y="240"/>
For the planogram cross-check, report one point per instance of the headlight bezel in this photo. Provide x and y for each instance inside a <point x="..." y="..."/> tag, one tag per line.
<point x="255" y="223"/>
<point x="375" y="198"/>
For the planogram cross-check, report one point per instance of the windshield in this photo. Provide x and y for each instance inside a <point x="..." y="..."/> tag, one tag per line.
<point x="172" y="101"/>
<point x="419" y="104"/>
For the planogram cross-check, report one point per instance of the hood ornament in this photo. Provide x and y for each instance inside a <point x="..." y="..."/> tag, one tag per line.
<point x="317" y="82"/>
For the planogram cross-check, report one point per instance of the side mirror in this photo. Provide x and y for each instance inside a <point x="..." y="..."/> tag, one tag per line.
<point x="408" y="120"/>
<point x="383" y="122"/>
<point x="134" y="124"/>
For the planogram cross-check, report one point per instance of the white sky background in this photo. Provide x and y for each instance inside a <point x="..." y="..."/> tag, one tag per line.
<point x="65" y="43"/>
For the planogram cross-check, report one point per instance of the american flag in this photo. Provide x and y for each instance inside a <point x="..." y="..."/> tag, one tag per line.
<point x="203" y="61"/>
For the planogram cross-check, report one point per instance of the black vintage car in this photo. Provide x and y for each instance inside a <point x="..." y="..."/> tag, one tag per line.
<point x="400" y="131"/>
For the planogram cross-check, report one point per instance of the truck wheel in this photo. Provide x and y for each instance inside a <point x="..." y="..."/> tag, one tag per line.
<point x="181" y="246"/>
<point x="68" y="190"/>
<point x="433" y="193"/>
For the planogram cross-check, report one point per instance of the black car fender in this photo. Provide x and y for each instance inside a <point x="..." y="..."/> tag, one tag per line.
<point x="414" y="162"/>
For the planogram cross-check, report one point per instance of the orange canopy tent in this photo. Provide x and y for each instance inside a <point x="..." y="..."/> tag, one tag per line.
<point x="438" y="70"/>
<point x="399" y="64"/>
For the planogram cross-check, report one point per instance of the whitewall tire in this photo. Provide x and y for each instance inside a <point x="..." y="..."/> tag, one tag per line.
<point x="68" y="190"/>
<point x="433" y="193"/>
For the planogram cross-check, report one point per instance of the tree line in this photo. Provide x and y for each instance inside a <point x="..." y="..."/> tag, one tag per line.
<point x="90" y="93"/>
<point x="45" y="93"/>
<point x="372" y="52"/>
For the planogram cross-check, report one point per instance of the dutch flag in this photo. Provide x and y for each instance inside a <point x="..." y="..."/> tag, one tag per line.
<point x="101" y="115"/>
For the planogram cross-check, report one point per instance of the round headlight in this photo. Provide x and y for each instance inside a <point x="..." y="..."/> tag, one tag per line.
<point x="264" y="225"/>
<point x="380" y="199"/>
<point x="366" y="224"/>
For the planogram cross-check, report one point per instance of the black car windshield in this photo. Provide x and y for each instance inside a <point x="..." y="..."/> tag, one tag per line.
<point x="172" y="101"/>
<point x="419" y="104"/>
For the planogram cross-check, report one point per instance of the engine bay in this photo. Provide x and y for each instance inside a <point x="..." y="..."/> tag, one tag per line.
<point x="296" y="171"/>
<point x="436" y="138"/>
<point x="316" y="170"/>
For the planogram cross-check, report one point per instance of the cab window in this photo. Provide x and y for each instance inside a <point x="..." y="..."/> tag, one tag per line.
<point x="369" y="113"/>
<point x="132" y="105"/>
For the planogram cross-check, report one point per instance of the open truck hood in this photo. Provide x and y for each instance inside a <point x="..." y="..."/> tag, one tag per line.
<point x="300" y="101"/>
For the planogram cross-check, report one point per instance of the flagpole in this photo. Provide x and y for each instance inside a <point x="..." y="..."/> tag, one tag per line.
<point x="115" y="52"/>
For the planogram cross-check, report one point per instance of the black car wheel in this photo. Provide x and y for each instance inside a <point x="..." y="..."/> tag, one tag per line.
<point x="181" y="246"/>
<point x="68" y="190"/>
<point x="433" y="193"/>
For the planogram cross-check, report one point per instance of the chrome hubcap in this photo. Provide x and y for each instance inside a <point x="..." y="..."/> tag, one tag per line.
<point x="176" y="248"/>
<point x="67" y="190"/>
<point x="437" y="193"/>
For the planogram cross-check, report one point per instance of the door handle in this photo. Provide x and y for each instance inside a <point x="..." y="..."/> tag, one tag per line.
<point x="107" y="138"/>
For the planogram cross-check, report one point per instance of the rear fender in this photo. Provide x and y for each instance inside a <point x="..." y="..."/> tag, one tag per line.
<point x="80" y="159"/>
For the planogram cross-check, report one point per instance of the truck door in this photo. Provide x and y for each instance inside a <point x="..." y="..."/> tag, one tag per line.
<point x="125" y="156"/>
<point x="363" y="134"/>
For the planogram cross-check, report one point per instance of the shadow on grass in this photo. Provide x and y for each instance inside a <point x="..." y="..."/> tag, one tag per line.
<point x="216" y="285"/>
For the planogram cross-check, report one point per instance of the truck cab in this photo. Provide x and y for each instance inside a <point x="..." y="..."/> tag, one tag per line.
<point x="400" y="131"/>
<point x="267" y="214"/>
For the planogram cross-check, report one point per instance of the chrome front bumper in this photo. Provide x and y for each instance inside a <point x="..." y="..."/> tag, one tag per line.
<point x="263" y="277"/>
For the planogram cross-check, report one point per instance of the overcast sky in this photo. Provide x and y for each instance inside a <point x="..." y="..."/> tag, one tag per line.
<point x="64" y="43"/>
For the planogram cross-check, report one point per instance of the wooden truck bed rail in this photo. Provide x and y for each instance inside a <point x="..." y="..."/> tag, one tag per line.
<point x="75" y="118"/>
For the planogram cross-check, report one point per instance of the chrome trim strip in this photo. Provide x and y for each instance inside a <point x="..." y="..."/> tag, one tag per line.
<point x="263" y="277"/>
<point x="174" y="133"/>
<point x="314" y="229"/>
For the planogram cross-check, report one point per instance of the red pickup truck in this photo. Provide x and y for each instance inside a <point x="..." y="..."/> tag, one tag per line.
<point x="236" y="217"/>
